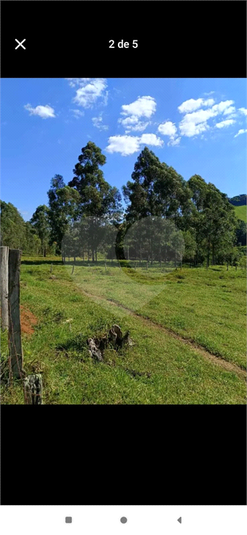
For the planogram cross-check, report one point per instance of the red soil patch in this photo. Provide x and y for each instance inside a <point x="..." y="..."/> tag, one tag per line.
<point x="27" y="321"/>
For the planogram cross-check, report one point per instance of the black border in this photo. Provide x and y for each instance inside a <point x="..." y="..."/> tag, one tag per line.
<point x="123" y="0"/>
<point x="124" y="455"/>
<point x="176" y="39"/>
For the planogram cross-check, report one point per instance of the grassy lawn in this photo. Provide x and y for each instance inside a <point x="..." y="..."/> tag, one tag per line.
<point x="207" y="306"/>
<point x="162" y="310"/>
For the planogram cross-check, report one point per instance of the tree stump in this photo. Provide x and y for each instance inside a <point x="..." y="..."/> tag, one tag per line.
<point x="114" y="337"/>
<point x="94" y="351"/>
<point x="33" y="389"/>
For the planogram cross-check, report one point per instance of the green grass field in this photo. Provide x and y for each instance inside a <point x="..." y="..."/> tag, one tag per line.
<point x="188" y="327"/>
<point x="241" y="212"/>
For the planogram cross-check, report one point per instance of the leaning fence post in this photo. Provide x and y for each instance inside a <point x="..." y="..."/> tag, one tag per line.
<point x="15" y="348"/>
<point x="4" y="283"/>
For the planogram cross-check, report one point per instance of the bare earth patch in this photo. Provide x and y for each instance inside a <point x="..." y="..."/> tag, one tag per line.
<point x="28" y="320"/>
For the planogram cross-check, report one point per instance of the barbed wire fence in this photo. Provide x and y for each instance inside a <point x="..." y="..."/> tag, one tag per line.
<point x="10" y="261"/>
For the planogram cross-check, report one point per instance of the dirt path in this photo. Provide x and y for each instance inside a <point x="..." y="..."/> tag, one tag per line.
<point x="196" y="348"/>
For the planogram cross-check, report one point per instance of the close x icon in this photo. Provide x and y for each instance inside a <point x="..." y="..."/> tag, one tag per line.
<point x="20" y="44"/>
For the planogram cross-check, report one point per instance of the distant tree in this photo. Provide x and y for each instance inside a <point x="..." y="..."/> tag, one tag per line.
<point x="155" y="190"/>
<point x="219" y="222"/>
<point x="71" y="242"/>
<point x="40" y="222"/>
<point x="32" y="244"/>
<point x="190" y="246"/>
<point x="64" y="207"/>
<point x="98" y="200"/>
<point x="241" y="232"/>
<point x="139" y="192"/>
<point x="97" y="197"/>
<point x="174" y="195"/>
<point x="239" y="200"/>
<point x="13" y="230"/>
<point x="212" y="218"/>
<point x="198" y="187"/>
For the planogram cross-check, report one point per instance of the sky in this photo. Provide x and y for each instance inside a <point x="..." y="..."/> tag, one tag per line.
<point x="196" y="125"/>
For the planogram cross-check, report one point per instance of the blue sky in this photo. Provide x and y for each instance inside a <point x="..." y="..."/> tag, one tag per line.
<point x="197" y="126"/>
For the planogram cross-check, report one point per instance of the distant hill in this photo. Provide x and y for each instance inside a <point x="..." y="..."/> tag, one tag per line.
<point x="239" y="200"/>
<point x="241" y="212"/>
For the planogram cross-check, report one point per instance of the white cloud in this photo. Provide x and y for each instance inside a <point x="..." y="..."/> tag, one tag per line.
<point x="89" y="91"/>
<point x="98" y="122"/>
<point x="77" y="113"/>
<point x="225" y="123"/>
<point x="132" y="123"/>
<point x="192" y="104"/>
<point x="73" y="82"/>
<point x="127" y="145"/>
<point x="243" y="110"/>
<point x="222" y="106"/>
<point x="174" y="141"/>
<point x="241" y="131"/>
<point x="139" y="126"/>
<point x="45" y="112"/>
<point x="199" y="116"/>
<point x="167" y="129"/>
<point x="196" y="122"/>
<point x="190" y="129"/>
<point x="129" y="121"/>
<point x="231" y="110"/>
<point x="142" y="107"/>
<point x="151" y="139"/>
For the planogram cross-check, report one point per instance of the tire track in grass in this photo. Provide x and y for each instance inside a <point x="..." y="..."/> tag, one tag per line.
<point x="196" y="348"/>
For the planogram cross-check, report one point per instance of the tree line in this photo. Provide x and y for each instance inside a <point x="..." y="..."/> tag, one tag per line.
<point x="239" y="200"/>
<point x="165" y="218"/>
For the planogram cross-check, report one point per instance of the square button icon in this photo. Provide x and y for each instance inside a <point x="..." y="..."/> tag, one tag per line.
<point x="68" y="519"/>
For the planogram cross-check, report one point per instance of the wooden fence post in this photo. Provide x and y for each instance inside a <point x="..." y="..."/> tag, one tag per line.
<point x="15" y="348"/>
<point x="4" y="283"/>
